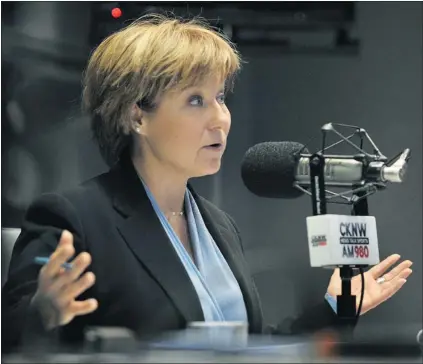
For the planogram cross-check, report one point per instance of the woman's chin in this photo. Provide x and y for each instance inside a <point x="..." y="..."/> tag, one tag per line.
<point x="210" y="169"/>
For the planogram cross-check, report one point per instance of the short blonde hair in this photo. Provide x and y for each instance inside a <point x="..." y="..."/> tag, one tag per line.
<point x="139" y="63"/>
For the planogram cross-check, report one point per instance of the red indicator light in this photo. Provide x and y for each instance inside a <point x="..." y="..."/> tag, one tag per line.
<point x="116" y="13"/>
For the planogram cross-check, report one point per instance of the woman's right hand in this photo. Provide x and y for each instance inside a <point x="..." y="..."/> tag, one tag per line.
<point x="58" y="287"/>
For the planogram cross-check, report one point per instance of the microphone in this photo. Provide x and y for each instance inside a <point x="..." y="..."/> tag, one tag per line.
<point x="286" y="170"/>
<point x="274" y="169"/>
<point x="269" y="169"/>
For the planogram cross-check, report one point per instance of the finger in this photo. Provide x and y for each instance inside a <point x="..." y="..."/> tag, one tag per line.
<point x="75" y="289"/>
<point x="384" y="265"/>
<point x="398" y="269"/>
<point x="392" y="287"/>
<point x="62" y="254"/>
<point x="79" y="308"/>
<point x="336" y="272"/>
<point x="79" y="265"/>
<point x="405" y="273"/>
<point x="399" y="280"/>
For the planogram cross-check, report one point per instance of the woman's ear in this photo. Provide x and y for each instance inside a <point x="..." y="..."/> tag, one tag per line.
<point x="136" y="118"/>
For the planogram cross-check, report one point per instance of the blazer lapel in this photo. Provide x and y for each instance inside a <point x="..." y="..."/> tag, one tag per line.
<point x="225" y="240"/>
<point x="145" y="236"/>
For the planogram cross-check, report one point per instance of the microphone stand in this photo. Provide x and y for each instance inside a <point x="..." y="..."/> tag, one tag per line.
<point x="346" y="302"/>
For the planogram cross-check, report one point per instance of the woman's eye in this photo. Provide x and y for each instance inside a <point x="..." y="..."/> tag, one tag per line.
<point x="196" y="100"/>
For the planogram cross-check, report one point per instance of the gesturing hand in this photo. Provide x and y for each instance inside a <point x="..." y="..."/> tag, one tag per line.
<point x="375" y="293"/>
<point x="58" y="287"/>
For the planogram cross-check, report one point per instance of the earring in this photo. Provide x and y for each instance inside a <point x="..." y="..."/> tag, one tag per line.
<point x="138" y="130"/>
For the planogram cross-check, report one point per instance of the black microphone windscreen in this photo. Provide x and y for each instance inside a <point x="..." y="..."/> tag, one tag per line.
<point x="269" y="169"/>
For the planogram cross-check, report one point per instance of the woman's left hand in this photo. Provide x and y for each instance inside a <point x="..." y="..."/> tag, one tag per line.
<point x="375" y="293"/>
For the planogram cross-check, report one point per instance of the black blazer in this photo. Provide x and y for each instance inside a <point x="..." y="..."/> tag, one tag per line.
<point x="140" y="282"/>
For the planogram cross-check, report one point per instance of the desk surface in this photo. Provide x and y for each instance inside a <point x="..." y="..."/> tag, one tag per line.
<point x="168" y="356"/>
<point x="257" y="349"/>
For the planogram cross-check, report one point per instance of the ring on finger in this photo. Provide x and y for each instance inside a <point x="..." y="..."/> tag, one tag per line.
<point x="381" y="280"/>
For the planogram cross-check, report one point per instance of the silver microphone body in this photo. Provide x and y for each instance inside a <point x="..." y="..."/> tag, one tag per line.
<point x="347" y="171"/>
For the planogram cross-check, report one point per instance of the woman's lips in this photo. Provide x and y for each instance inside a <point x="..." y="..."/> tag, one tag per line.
<point x="217" y="147"/>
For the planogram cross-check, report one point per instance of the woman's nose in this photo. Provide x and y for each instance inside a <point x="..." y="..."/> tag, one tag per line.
<point x="221" y="118"/>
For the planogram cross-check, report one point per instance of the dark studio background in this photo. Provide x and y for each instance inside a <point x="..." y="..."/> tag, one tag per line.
<point x="354" y="63"/>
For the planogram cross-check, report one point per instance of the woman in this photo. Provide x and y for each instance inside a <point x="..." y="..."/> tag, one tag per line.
<point x="147" y="252"/>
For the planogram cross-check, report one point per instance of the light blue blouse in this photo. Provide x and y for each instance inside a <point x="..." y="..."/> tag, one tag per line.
<point x="218" y="291"/>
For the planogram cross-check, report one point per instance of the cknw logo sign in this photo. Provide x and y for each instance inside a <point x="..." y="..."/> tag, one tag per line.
<point x="318" y="240"/>
<point x="353" y="233"/>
